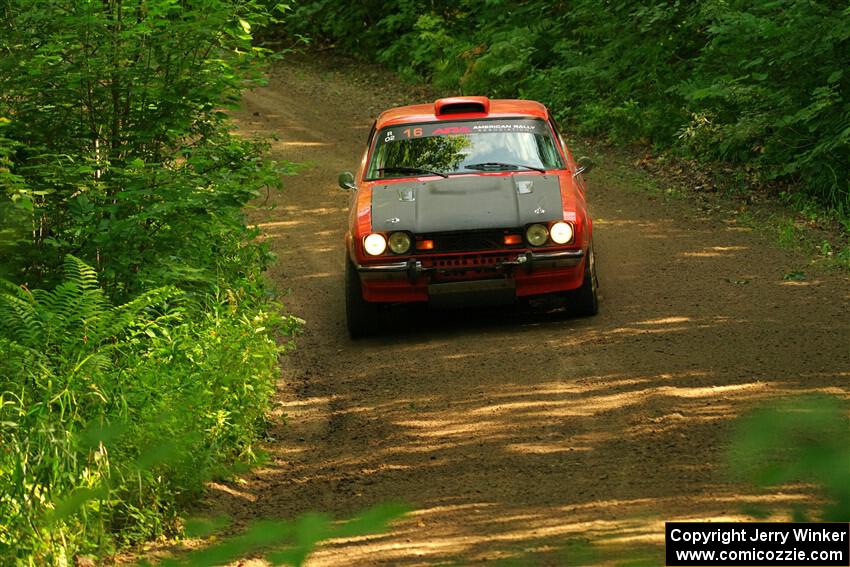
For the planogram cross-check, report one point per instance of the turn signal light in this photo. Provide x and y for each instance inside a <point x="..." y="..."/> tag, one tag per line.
<point x="425" y="245"/>
<point x="511" y="239"/>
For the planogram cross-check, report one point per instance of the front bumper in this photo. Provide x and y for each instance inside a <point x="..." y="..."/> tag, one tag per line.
<point x="495" y="278"/>
<point x="530" y="260"/>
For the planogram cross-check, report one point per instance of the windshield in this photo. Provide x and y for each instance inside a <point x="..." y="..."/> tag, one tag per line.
<point x="464" y="147"/>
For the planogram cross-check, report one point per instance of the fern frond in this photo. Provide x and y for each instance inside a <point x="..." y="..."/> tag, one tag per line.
<point x="95" y="362"/>
<point x="74" y="319"/>
<point x="17" y="361"/>
<point x="131" y="312"/>
<point x="8" y="288"/>
<point x="77" y="271"/>
<point x="19" y="319"/>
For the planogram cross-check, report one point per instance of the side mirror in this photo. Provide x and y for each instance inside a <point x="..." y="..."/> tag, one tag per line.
<point x="346" y="181"/>
<point x="585" y="164"/>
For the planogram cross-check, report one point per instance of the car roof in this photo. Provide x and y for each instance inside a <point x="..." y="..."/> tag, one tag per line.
<point x="434" y="112"/>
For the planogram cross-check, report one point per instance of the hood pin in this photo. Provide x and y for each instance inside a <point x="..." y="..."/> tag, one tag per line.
<point x="524" y="187"/>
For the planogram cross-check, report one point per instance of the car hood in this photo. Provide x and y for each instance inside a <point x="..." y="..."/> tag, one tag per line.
<point x="466" y="203"/>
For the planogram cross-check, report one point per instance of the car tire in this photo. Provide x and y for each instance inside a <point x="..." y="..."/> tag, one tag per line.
<point x="584" y="301"/>
<point x="360" y="315"/>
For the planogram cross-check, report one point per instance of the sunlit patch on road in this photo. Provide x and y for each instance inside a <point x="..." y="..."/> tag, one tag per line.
<point x="519" y="432"/>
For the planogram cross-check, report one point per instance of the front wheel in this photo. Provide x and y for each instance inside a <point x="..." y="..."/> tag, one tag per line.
<point x="361" y="316"/>
<point x="584" y="301"/>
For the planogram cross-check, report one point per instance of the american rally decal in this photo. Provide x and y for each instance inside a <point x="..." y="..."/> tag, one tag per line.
<point x="462" y="128"/>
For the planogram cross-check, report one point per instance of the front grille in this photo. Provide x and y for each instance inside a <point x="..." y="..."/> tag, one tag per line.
<point x="467" y="241"/>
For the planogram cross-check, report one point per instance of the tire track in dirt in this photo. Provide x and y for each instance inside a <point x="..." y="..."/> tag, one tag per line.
<point x="512" y="433"/>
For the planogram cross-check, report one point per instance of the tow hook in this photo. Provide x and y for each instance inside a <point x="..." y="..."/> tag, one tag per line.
<point x="414" y="268"/>
<point x="521" y="260"/>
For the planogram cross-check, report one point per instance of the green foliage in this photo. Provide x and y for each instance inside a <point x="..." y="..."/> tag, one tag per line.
<point x="762" y="84"/>
<point x="284" y="542"/>
<point x="14" y="205"/>
<point x="90" y="392"/>
<point x="111" y="417"/>
<point x="138" y="349"/>
<point x="800" y="440"/>
<point x="121" y="148"/>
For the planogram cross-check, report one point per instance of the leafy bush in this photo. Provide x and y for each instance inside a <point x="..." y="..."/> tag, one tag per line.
<point x="120" y="184"/>
<point x="111" y="417"/>
<point x="13" y="217"/>
<point x="120" y="142"/>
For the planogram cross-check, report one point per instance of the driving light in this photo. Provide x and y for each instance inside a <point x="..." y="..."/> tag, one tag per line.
<point x="537" y="235"/>
<point x="375" y="244"/>
<point x="400" y="242"/>
<point x="561" y="232"/>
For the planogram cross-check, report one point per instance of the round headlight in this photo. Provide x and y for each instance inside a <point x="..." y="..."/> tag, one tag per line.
<point x="375" y="244"/>
<point x="400" y="242"/>
<point x="561" y="232"/>
<point x="537" y="235"/>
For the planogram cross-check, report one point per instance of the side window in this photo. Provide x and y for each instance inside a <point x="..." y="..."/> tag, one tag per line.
<point x="548" y="154"/>
<point x="570" y="163"/>
<point x="378" y="160"/>
<point x="371" y="134"/>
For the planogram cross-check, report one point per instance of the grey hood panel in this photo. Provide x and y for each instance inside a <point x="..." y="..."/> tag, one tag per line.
<point x="466" y="203"/>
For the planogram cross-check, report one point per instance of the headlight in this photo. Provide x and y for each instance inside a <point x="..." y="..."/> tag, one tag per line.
<point x="537" y="235"/>
<point x="375" y="244"/>
<point x="561" y="232"/>
<point x="400" y="242"/>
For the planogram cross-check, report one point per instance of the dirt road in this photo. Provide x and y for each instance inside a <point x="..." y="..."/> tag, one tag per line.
<point x="512" y="434"/>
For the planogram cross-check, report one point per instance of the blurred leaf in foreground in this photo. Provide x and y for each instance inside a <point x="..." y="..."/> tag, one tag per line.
<point x="802" y="440"/>
<point x="283" y="542"/>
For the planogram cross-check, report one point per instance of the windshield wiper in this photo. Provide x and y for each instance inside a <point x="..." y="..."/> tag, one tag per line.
<point x="406" y="169"/>
<point x="497" y="165"/>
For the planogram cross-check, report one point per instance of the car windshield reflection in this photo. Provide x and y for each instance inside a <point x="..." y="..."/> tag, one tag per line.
<point x="464" y="147"/>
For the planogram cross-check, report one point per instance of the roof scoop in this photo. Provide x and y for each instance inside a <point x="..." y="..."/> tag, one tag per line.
<point x="462" y="105"/>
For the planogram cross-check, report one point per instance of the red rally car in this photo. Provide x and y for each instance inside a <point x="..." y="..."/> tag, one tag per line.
<point x="466" y="201"/>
